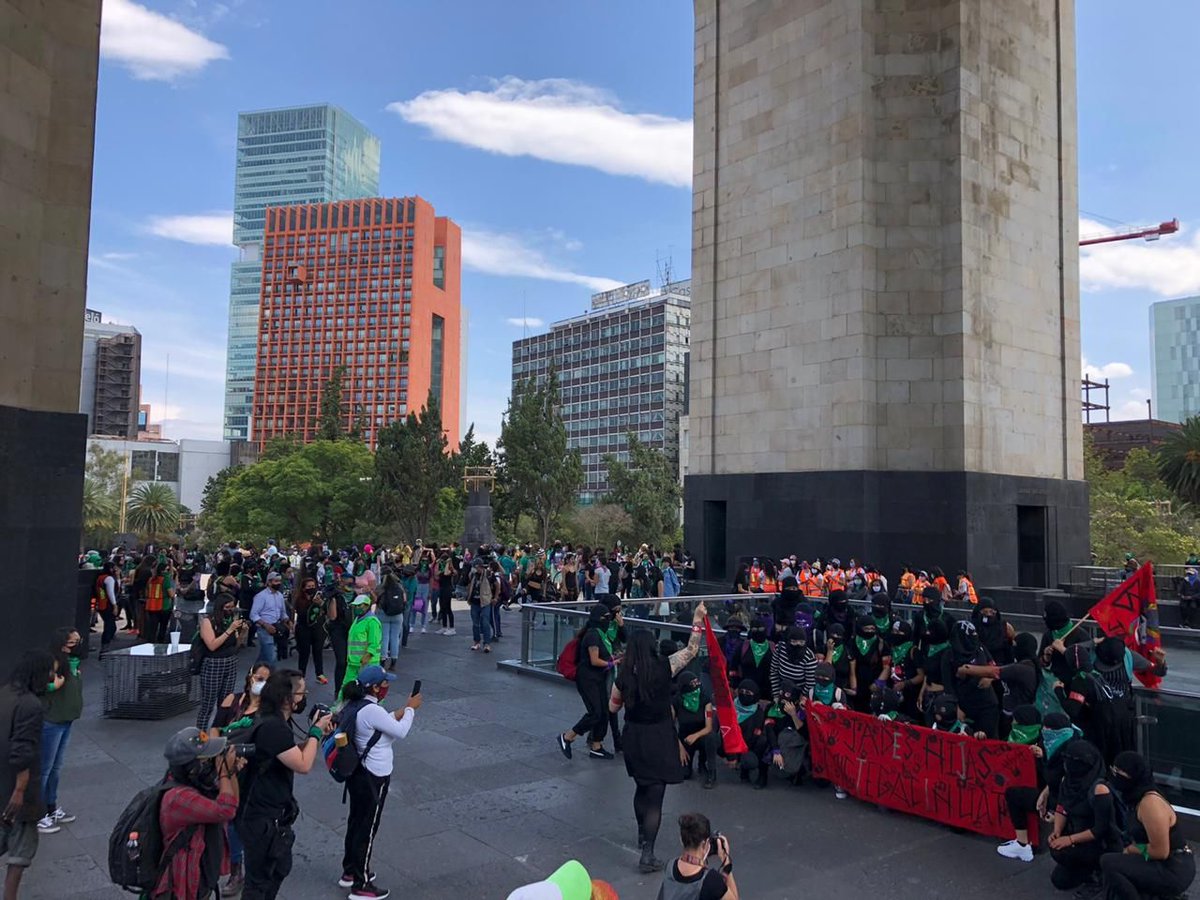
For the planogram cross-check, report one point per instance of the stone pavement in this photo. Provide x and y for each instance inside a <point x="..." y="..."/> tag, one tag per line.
<point x="482" y="801"/>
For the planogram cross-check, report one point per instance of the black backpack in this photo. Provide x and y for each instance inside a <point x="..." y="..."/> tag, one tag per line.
<point x="140" y="871"/>
<point x="393" y="601"/>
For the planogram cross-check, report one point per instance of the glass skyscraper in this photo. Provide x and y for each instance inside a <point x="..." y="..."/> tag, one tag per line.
<point x="285" y="157"/>
<point x="1175" y="355"/>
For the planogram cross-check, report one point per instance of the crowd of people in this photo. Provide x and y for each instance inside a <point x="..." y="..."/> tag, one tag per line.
<point x="228" y="806"/>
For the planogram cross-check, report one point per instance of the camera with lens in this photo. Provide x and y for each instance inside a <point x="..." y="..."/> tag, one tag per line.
<point x="245" y="751"/>
<point x="318" y="710"/>
<point x="714" y="844"/>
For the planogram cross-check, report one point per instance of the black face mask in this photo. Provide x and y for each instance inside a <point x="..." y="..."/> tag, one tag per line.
<point x="839" y="604"/>
<point x="300" y="707"/>
<point x="932" y="610"/>
<point x="76" y="651"/>
<point x="747" y="699"/>
<point x="796" y="651"/>
<point x="879" y="610"/>
<point x="758" y="634"/>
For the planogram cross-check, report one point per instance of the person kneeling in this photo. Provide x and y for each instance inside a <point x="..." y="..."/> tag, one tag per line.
<point x="690" y="875"/>
<point x="695" y="717"/>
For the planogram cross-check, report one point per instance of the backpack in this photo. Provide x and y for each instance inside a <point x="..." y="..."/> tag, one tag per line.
<point x="141" y="872"/>
<point x="342" y="762"/>
<point x="197" y="653"/>
<point x="393" y="601"/>
<point x="568" y="661"/>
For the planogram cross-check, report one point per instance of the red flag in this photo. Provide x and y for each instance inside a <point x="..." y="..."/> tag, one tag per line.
<point x="731" y="734"/>
<point x="1121" y="612"/>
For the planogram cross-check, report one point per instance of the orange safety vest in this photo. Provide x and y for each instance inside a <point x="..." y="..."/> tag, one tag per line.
<point x="918" y="588"/>
<point x="810" y="584"/>
<point x="835" y="581"/>
<point x="770" y="586"/>
<point x="755" y="577"/>
<point x="154" y="594"/>
<point x="971" y="595"/>
<point x="100" y="595"/>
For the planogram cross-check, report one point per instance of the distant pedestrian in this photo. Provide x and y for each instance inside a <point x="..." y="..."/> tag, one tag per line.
<point x="269" y="614"/>
<point x="222" y="632"/>
<point x="62" y="706"/>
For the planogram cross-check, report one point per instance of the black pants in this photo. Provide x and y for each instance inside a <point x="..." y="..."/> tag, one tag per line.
<point x="706" y="747"/>
<point x="1189" y="611"/>
<point x="267" y="856"/>
<point x="1129" y="877"/>
<point x="283" y="638"/>
<point x="1074" y="866"/>
<point x="1022" y="803"/>
<point x="985" y="719"/>
<point x="311" y="639"/>
<point x="367" y="795"/>
<point x="338" y="636"/>
<point x="156" y="626"/>
<point x="109" y="618"/>
<point x="446" y="615"/>
<point x="595" y="707"/>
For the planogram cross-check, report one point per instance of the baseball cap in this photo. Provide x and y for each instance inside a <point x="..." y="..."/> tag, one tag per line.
<point x="361" y="600"/>
<point x="373" y="675"/>
<point x="191" y="744"/>
<point x="274" y="576"/>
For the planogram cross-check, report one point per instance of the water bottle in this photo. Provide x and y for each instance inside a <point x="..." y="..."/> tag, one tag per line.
<point x="132" y="848"/>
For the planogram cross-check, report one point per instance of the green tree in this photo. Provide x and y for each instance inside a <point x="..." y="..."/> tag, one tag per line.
<point x="106" y="468"/>
<point x="1179" y="461"/>
<point x="152" y="509"/>
<point x="319" y="491"/>
<point x="330" y="421"/>
<point x="647" y="487"/>
<point x="446" y="524"/>
<point x="599" y="525"/>
<point x="539" y="472"/>
<point x="412" y="465"/>
<point x="100" y="507"/>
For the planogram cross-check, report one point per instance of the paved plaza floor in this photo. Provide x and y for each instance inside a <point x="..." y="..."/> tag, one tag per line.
<point x="482" y="801"/>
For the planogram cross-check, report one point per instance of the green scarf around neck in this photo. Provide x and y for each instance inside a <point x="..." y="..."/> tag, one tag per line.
<point x="1024" y="734"/>
<point x="824" y="693"/>
<point x="759" y="649"/>
<point x="691" y="700"/>
<point x="864" y="645"/>
<point x="838" y="652"/>
<point x="883" y="623"/>
<point x="744" y="712"/>
<point x="900" y="652"/>
<point x="935" y="649"/>
<point x="1054" y="738"/>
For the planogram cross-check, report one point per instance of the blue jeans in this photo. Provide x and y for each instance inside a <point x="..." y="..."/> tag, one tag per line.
<point x="481" y="624"/>
<point x="392" y="627"/>
<point x="235" y="844"/>
<point x="267" y="650"/>
<point x="54" y="747"/>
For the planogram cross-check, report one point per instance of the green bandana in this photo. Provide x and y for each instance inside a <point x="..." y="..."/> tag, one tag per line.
<point x="776" y="711"/>
<point x="243" y="722"/>
<point x="744" y="712"/>
<point x="824" y="693"/>
<point x="900" y="652"/>
<point x="864" y="645"/>
<point x="73" y="663"/>
<point x="935" y="649"/>
<point x="1060" y="633"/>
<point x="1024" y="734"/>
<point x="890" y="716"/>
<point x="1054" y="738"/>
<point x="759" y="649"/>
<point x="691" y="700"/>
<point x="608" y="635"/>
<point x="883" y="623"/>
<point x="837" y="653"/>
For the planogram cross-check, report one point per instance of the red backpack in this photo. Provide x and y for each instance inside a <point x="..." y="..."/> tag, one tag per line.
<point x="568" y="661"/>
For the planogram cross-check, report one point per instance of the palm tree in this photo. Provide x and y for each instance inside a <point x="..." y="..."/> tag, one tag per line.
<point x="99" y="506"/>
<point x="1179" y="461"/>
<point x="152" y="509"/>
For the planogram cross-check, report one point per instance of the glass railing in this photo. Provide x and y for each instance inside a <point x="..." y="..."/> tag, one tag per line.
<point x="1168" y="720"/>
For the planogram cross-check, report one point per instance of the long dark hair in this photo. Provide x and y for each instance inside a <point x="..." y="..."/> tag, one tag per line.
<point x="276" y="697"/>
<point x="33" y="672"/>
<point x="61" y="636"/>
<point x="644" y="675"/>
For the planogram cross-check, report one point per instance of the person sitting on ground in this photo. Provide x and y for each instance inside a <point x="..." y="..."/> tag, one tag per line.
<point x="1085" y="825"/>
<point x="751" y="718"/>
<point x="689" y="875"/>
<point x="203" y="798"/>
<point x="696" y="721"/>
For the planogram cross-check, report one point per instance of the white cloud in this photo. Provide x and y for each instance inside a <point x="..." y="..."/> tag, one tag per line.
<point x="494" y="253"/>
<point x="1110" y="371"/>
<point x="526" y="322"/>
<point x="152" y="46"/>
<point x="1169" y="267"/>
<point x="211" y="229"/>
<point x="560" y="121"/>
<point x="118" y="256"/>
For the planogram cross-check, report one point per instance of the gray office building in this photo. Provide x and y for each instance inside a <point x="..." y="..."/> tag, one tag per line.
<point x="620" y="371"/>
<point x="110" y="377"/>
<point x="1175" y="355"/>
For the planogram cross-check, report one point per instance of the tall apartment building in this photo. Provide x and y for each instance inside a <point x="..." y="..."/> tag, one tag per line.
<point x="1175" y="356"/>
<point x="297" y="155"/>
<point x="620" y="369"/>
<point x="371" y="287"/>
<point x="110" y="376"/>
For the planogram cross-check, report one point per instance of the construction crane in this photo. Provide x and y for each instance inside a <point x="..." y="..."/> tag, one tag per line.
<point x="1151" y="233"/>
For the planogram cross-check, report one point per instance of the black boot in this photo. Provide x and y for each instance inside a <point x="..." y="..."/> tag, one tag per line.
<point x="649" y="862"/>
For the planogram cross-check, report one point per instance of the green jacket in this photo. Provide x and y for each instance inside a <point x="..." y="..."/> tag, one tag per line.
<point x="366" y="636"/>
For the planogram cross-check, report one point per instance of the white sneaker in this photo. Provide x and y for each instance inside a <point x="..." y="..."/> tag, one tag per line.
<point x="451" y="632"/>
<point x="1016" y="850"/>
<point x="423" y="629"/>
<point x="62" y="816"/>
<point x="839" y="793"/>
<point x="47" y="825"/>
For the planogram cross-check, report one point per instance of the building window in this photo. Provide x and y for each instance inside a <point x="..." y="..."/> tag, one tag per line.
<point x="437" y="350"/>
<point x="141" y="465"/>
<point x="439" y="267"/>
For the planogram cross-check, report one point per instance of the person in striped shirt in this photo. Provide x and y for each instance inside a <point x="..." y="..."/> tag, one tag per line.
<point x="793" y="661"/>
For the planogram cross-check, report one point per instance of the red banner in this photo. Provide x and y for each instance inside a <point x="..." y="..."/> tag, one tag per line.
<point x="950" y="778"/>
<point x="732" y="742"/>
<point x="1130" y="612"/>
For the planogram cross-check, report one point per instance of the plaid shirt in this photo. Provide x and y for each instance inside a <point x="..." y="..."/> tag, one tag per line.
<point x="183" y="806"/>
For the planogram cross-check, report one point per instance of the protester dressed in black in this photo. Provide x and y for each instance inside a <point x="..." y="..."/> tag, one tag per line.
<point x="654" y="756"/>
<point x="975" y="695"/>
<point x="594" y="663"/>
<point x="1084" y="820"/>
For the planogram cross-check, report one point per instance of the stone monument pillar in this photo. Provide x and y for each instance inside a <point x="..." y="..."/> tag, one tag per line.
<point x="885" y="305"/>
<point x="477" y="520"/>
<point x="49" y="53"/>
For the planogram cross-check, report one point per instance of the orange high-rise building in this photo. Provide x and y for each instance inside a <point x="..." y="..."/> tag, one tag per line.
<point x="368" y="286"/>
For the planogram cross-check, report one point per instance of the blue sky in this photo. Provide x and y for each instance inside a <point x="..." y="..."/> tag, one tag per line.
<point x="557" y="135"/>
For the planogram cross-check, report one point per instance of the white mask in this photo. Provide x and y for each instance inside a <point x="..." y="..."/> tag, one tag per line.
<point x="256" y="687"/>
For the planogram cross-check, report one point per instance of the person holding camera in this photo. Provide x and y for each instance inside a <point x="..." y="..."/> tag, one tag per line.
<point x="690" y="877"/>
<point x="222" y="632"/>
<point x="202" y="798"/>
<point x="374" y="731"/>
<point x="269" y="806"/>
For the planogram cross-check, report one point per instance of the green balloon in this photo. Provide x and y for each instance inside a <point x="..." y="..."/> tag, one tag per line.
<point x="573" y="880"/>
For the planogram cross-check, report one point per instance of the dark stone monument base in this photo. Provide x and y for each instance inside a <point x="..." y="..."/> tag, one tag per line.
<point x="1003" y="529"/>
<point x="477" y="527"/>
<point x="41" y="497"/>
